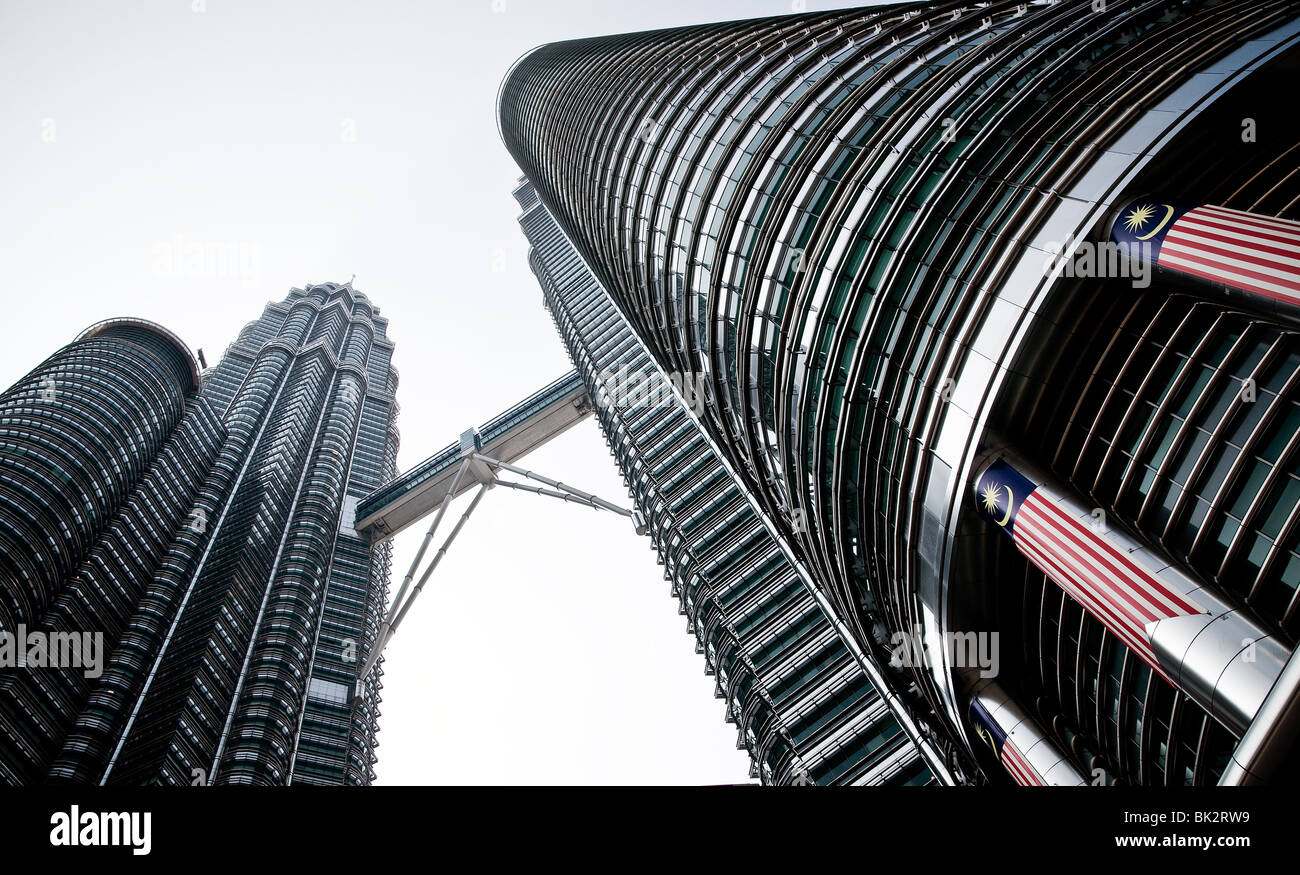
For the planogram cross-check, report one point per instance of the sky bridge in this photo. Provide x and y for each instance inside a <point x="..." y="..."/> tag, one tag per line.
<point x="476" y="460"/>
<point x="507" y="437"/>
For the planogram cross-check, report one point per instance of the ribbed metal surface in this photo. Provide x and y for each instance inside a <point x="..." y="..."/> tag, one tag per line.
<point x="838" y="221"/>
<point x="96" y="455"/>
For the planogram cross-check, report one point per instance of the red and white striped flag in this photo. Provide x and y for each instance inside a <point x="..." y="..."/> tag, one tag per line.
<point x="1119" y="592"/>
<point x="1246" y="251"/>
<point x="1255" y="253"/>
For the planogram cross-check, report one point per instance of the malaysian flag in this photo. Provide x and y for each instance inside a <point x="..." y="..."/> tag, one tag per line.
<point x="1003" y="747"/>
<point x="1072" y="550"/>
<point x="999" y="494"/>
<point x="1245" y="251"/>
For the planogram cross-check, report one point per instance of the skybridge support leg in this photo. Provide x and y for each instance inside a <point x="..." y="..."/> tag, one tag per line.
<point x="437" y="557"/>
<point x="484" y="469"/>
<point x="386" y="631"/>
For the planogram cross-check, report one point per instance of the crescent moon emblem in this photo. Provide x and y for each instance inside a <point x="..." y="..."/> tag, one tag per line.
<point x="1011" y="502"/>
<point x="1169" y="211"/>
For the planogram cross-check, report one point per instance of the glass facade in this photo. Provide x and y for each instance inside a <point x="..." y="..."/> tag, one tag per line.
<point x="216" y="552"/>
<point x="839" y="222"/>
<point x="805" y="709"/>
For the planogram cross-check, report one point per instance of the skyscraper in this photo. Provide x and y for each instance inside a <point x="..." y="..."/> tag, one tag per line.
<point x="806" y="706"/>
<point x="200" y="526"/>
<point x="995" y="359"/>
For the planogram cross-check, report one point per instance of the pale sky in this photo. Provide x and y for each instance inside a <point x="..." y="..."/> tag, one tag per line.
<point x="304" y="142"/>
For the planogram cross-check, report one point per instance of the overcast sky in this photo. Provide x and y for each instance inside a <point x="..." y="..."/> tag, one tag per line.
<point x="305" y="142"/>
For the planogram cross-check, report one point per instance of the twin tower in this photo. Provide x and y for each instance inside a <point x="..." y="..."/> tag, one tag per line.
<point x="973" y="455"/>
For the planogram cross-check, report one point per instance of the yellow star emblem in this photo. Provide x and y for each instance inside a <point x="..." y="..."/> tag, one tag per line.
<point x="1138" y="217"/>
<point x="991" y="495"/>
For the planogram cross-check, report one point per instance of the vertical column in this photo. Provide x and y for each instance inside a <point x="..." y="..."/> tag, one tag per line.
<point x="1184" y="630"/>
<point x="1016" y="740"/>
